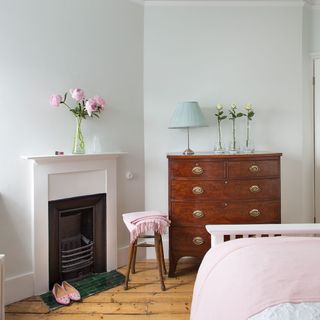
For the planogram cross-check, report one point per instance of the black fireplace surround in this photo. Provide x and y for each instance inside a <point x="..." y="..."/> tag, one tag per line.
<point x="77" y="237"/>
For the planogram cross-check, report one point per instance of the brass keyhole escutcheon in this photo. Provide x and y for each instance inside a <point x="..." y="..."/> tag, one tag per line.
<point x="197" y="190"/>
<point x="254" y="213"/>
<point x="254" y="189"/>
<point x="198" y="241"/>
<point x="254" y="168"/>
<point x="197" y="170"/>
<point x="198" y="214"/>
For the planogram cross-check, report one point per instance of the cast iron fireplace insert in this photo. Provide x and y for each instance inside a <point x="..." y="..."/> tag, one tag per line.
<point x="77" y="237"/>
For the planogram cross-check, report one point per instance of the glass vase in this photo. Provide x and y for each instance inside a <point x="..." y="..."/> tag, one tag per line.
<point x="249" y="143"/>
<point x="219" y="147"/>
<point x="78" y="141"/>
<point x="234" y="144"/>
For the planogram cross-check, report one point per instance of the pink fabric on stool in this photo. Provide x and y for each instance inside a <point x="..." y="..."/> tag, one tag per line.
<point x="143" y="221"/>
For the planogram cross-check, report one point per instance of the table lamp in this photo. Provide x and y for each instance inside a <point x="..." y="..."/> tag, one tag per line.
<point x="187" y="115"/>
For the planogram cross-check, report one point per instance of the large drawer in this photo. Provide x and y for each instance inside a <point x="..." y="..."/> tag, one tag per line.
<point x="190" y="241"/>
<point x="251" y="169"/>
<point x="253" y="189"/>
<point x="224" y="212"/>
<point x="198" y="168"/>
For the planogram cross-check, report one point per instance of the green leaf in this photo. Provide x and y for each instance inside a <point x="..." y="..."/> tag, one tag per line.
<point x="224" y="117"/>
<point x="220" y="113"/>
<point x="250" y="114"/>
<point x="65" y="97"/>
<point x="239" y="115"/>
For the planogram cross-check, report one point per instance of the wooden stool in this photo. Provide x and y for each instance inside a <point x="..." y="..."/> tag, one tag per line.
<point x="159" y="253"/>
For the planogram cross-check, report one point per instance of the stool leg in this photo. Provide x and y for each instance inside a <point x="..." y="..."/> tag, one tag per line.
<point x="131" y="250"/>
<point x="162" y="256"/>
<point x="133" y="266"/>
<point x="157" y="248"/>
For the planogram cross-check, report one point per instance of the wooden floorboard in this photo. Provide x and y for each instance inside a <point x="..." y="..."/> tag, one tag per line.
<point x="144" y="300"/>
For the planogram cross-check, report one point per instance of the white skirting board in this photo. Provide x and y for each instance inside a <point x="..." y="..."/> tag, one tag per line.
<point x="18" y="288"/>
<point x="124" y="252"/>
<point x="151" y="253"/>
<point x="1" y="287"/>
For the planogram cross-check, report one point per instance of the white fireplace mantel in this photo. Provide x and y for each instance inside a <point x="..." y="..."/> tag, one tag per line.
<point x="40" y="159"/>
<point x="62" y="176"/>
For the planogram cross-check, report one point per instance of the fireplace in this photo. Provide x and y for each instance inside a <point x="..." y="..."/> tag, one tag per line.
<point x="60" y="177"/>
<point x="77" y="237"/>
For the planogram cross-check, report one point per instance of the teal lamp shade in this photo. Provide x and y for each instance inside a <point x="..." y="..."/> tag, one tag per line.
<point x="187" y="115"/>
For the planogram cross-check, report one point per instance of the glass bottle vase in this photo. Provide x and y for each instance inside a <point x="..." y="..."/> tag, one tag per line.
<point x="249" y="143"/>
<point x="78" y="140"/>
<point x="234" y="144"/>
<point x="219" y="147"/>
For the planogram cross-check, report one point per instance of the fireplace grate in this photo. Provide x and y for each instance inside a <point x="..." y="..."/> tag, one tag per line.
<point x="76" y="253"/>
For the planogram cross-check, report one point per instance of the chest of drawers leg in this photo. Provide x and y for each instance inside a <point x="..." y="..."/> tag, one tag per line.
<point x="218" y="189"/>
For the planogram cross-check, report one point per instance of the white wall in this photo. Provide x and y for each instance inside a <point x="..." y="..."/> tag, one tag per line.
<point x="224" y="54"/>
<point x="48" y="47"/>
<point x="307" y="118"/>
<point x="315" y="29"/>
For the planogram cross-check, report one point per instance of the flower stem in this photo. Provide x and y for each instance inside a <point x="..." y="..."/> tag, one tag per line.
<point x="234" y="133"/>
<point x="248" y="132"/>
<point x="219" y="131"/>
<point x="66" y="105"/>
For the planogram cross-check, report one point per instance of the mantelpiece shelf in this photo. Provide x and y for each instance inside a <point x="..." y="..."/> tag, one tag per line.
<point x="72" y="157"/>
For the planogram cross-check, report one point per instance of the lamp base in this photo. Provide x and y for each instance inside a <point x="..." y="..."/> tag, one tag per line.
<point x="188" y="151"/>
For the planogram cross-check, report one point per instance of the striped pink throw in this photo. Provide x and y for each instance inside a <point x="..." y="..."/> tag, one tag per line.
<point x="140" y="222"/>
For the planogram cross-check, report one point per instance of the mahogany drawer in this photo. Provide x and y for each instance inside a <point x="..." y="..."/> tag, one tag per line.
<point x="202" y="213"/>
<point x="190" y="241"/>
<point x="198" y="168"/>
<point x="254" y="189"/>
<point x="254" y="168"/>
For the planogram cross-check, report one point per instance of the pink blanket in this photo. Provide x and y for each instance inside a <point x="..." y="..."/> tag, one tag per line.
<point x="240" y="278"/>
<point x="141" y="222"/>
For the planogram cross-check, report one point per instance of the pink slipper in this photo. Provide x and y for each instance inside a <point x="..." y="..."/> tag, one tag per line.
<point x="72" y="292"/>
<point x="60" y="294"/>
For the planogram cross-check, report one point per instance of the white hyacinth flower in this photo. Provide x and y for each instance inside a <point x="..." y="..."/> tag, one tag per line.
<point x="219" y="107"/>
<point x="233" y="106"/>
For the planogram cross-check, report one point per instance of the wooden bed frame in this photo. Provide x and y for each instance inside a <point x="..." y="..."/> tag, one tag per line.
<point x="257" y="230"/>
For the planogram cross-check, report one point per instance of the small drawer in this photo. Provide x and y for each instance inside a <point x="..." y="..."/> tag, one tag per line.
<point x="249" y="169"/>
<point x="226" y="212"/>
<point x="190" y="241"/>
<point x="197" y="169"/>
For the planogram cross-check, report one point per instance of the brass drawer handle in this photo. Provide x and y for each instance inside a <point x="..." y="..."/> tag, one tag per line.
<point x="197" y="190"/>
<point x="254" y="168"/>
<point x="198" y="241"/>
<point x="254" y="189"/>
<point x="198" y="214"/>
<point x="197" y="170"/>
<point x="254" y="213"/>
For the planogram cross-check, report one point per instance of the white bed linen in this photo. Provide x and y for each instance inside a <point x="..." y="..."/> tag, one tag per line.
<point x="290" y="311"/>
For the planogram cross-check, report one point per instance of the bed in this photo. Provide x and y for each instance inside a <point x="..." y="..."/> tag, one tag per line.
<point x="261" y="276"/>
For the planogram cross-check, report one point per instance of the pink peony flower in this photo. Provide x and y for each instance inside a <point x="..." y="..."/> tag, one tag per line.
<point x="55" y="100"/>
<point x="91" y="106"/>
<point x="77" y="94"/>
<point x="100" y="101"/>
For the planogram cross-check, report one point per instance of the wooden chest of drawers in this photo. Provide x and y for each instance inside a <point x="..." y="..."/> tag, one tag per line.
<point x="218" y="189"/>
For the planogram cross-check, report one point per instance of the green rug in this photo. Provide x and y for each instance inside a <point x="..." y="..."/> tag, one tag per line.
<point x="88" y="286"/>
